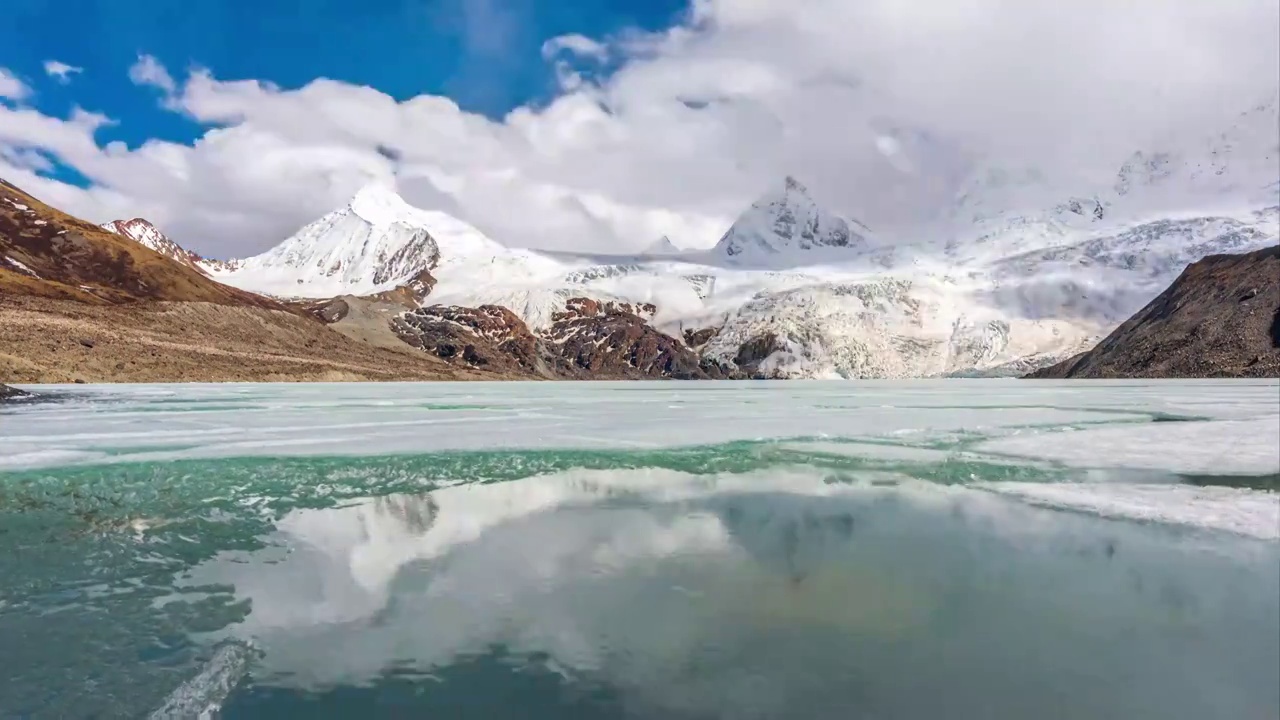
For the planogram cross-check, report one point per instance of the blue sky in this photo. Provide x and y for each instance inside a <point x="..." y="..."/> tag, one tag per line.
<point x="673" y="133"/>
<point x="484" y="54"/>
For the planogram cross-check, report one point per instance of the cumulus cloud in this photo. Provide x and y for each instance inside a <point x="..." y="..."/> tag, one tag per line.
<point x="11" y="88"/>
<point x="881" y="106"/>
<point x="61" y="71"/>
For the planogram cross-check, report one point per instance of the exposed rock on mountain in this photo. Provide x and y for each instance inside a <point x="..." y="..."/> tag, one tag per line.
<point x="588" y="340"/>
<point x="597" y="339"/>
<point x="489" y="336"/>
<point x="148" y="235"/>
<point x="1220" y="318"/>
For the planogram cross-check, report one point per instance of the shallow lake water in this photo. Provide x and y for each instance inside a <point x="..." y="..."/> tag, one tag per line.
<point x="950" y="549"/>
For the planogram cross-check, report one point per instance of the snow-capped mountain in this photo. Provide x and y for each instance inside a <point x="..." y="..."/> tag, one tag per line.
<point x="1021" y="274"/>
<point x="1239" y="166"/>
<point x="784" y="227"/>
<point x="149" y="235"/>
<point x="662" y="246"/>
<point x="371" y="245"/>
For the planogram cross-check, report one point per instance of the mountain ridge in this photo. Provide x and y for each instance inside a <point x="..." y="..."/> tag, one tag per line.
<point x="1026" y="276"/>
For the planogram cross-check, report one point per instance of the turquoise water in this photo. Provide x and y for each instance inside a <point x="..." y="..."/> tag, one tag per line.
<point x="969" y="549"/>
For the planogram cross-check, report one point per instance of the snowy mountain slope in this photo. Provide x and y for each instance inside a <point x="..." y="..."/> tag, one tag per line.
<point x="1017" y="274"/>
<point x="1235" y="168"/>
<point x="149" y="235"/>
<point x="372" y="244"/>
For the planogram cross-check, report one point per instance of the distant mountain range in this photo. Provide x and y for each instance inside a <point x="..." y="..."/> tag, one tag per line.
<point x="1016" y="277"/>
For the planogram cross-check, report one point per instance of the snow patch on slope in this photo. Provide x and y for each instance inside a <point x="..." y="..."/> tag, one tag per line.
<point x="148" y="235"/>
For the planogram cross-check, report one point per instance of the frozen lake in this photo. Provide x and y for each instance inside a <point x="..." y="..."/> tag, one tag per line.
<point x="959" y="549"/>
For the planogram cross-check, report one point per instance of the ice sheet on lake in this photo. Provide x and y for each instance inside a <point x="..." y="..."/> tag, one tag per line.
<point x="1228" y="427"/>
<point x="164" y="422"/>
<point x="1245" y="512"/>
<point x="1227" y="447"/>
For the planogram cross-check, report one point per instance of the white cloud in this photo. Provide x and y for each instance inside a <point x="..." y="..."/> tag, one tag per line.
<point x="148" y="71"/>
<point x="11" y="88"/>
<point x="576" y="44"/>
<point x="879" y="105"/>
<point x="61" y="71"/>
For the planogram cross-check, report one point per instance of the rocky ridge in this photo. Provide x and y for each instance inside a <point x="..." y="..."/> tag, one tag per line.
<point x="149" y="235"/>
<point x="47" y="253"/>
<point x="588" y="340"/>
<point x="1220" y="318"/>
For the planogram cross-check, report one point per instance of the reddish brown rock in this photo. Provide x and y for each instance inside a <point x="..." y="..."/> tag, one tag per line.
<point x="411" y="293"/>
<point x="488" y="336"/>
<point x="589" y="340"/>
<point x="696" y="339"/>
<point x="615" y="341"/>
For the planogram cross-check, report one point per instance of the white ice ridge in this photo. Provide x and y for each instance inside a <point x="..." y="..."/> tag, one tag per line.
<point x="203" y="695"/>
<point x="1244" y="512"/>
<point x="1227" y="447"/>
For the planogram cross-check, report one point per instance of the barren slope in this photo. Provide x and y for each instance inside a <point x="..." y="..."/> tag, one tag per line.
<point x="48" y="253"/>
<point x="80" y="303"/>
<point x="1220" y="318"/>
<point x="46" y="340"/>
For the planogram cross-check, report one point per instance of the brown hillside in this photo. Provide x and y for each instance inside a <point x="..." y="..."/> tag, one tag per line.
<point x="48" y="253"/>
<point x="81" y="304"/>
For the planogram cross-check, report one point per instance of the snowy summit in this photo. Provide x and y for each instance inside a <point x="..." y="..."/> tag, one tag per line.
<point x="787" y="225"/>
<point x="368" y="246"/>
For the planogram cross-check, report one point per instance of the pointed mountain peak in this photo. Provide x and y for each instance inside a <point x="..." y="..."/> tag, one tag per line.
<point x="126" y="227"/>
<point x="793" y="185"/>
<point x="785" y="224"/>
<point x="662" y="246"/>
<point x="145" y="233"/>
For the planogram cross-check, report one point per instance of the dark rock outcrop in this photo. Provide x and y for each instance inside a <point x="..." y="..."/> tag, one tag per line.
<point x="589" y="340"/>
<point x="614" y="340"/>
<point x="7" y="393"/>
<point x="1220" y="318"/>
<point x="754" y="351"/>
<point x="411" y="293"/>
<point x="696" y="339"/>
<point x="489" y="336"/>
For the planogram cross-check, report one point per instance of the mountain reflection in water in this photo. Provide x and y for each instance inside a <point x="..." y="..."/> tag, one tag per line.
<point x="647" y="593"/>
